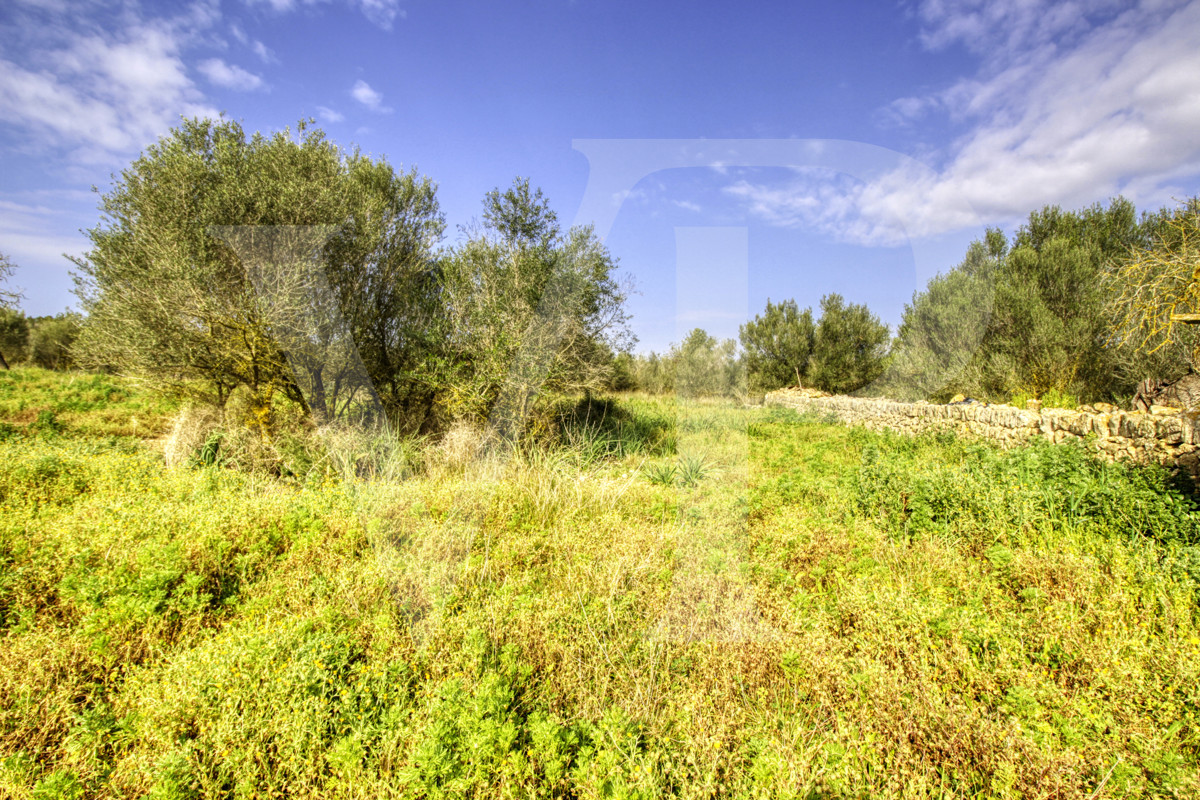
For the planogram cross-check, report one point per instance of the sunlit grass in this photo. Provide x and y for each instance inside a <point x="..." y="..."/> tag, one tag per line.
<point x="83" y="403"/>
<point x="815" y="611"/>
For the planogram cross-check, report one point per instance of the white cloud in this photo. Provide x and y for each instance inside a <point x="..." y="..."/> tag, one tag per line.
<point x="999" y="26"/>
<point x="202" y="14"/>
<point x="382" y="12"/>
<point x="329" y="115"/>
<point x="57" y="6"/>
<point x="1111" y="106"/>
<point x="264" y="53"/>
<point x="34" y="236"/>
<point x="279" y="6"/>
<point x="825" y="200"/>
<point x="907" y="110"/>
<point x="230" y="76"/>
<point x="620" y="197"/>
<point x="379" y="12"/>
<point x="363" y="93"/>
<point x="105" y="94"/>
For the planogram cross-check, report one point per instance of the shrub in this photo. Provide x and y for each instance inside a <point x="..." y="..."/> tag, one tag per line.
<point x="937" y="484"/>
<point x="14" y="335"/>
<point x="51" y="340"/>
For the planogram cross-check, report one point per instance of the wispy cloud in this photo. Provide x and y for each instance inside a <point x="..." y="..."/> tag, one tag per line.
<point x="636" y="194"/>
<point x="363" y="93"/>
<point x="33" y="234"/>
<point x="264" y="53"/>
<point x="279" y="5"/>
<point x="1070" y="105"/>
<point x="995" y="28"/>
<point x="382" y="13"/>
<point x="821" y="199"/>
<point x="329" y="115"/>
<point x="230" y="76"/>
<point x="100" y="94"/>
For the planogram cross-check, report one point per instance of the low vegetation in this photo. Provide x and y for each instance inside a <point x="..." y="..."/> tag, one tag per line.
<point x="334" y="520"/>
<point x="658" y="598"/>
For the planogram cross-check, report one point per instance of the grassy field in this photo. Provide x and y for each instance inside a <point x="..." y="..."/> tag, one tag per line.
<point x="670" y="600"/>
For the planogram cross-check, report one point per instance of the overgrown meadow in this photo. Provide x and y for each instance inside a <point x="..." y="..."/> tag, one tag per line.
<point x="658" y="599"/>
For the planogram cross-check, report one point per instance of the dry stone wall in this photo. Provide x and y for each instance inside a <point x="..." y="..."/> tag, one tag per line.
<point x="1171" y="438"/>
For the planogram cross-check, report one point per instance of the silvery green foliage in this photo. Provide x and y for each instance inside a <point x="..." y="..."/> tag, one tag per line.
<point x="849" y="346"/>
<point x="529" y="307"/>
<point x="170" y="300"/>
<point x="778" y="346"/>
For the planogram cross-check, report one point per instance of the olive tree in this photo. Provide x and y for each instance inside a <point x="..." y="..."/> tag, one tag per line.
<point x="528" y="307"/>
<point x="705" y="366"/>
<point x="943" y="327"/>
<point x="14" y="336"/>
<point x="168" y="284"/>
<point x="778" y="345"/>
<point x="849" y="346"/>
<point x="1051" y="317"/>
<point x="50" y="340"/>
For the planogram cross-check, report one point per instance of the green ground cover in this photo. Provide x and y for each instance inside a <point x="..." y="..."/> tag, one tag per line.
<point x="665" y="599"/>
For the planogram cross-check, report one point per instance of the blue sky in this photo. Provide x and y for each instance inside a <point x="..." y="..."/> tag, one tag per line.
<point x="853" y="147"/>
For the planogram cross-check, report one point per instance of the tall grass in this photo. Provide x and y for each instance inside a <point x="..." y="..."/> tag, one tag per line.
<point x="82" y="403"/>
<point x="822" y="612"/>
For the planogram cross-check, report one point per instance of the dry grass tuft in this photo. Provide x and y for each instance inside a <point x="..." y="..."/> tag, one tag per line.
<point x="192" y="427"/>
<point x="459" y="447"/>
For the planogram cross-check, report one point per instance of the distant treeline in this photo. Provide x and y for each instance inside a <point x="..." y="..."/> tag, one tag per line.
<point x="41" y="341"/>
<point x="844" y="349"/>
<point x="284" y="269"/>
<point x="1078" y="306"/>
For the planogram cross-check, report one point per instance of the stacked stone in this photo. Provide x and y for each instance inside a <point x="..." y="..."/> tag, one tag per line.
<point x="1168" y="437"/>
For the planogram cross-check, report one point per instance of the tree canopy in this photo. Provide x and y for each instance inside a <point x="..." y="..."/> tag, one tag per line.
<point x="849" y="346"/>
<point x="8" y="297"/>
<point x="778" y="345"/>
<point x="944" y="325"/>
<point x="170" y="297"/>
<point x="1069" y="307"/>
<point x="1157" y="285"/>
<point x="529" y="306"/>
<point x="706" y="366"/>
<point x="8" y="303"/>
<point x="283" y="265"/>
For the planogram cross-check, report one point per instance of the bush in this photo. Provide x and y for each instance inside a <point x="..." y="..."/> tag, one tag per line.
<point x="938" y="484"/>
<point x="14" y="335"/>
<point x="51" y="340"/>
<point x="1052" y="398"/>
